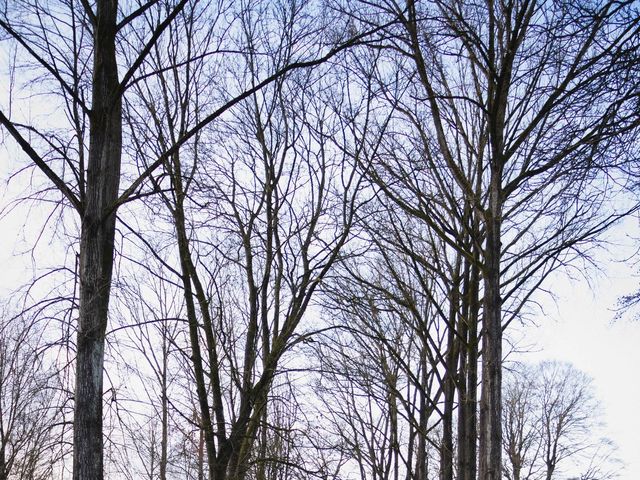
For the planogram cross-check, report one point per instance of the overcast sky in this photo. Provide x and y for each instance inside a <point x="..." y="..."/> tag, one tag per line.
<point x="581" y="334"/>
<point x="581" y="328"/>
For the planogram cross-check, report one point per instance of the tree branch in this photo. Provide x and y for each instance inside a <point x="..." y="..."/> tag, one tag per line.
<point x="40" y="163"/>
<point x="128" y="193"/>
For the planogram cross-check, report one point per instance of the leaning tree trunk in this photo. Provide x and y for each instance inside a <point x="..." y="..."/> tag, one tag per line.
<point x="97" y="245"/>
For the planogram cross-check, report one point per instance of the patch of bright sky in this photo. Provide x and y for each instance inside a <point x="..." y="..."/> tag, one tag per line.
<point x="13" y="271"/>
<point x="581" y="327"/>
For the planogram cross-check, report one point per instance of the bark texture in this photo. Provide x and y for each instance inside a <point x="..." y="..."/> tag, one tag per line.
<point x="490" y="448"/>
<point x="97" y="245"/>
<point x="468" y="382"/>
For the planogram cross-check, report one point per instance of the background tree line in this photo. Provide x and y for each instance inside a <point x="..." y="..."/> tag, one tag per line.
<point x="286" y="239"/>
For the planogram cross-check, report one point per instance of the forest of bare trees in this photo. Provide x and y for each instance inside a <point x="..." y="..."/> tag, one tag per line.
<point x="288" y="239"/>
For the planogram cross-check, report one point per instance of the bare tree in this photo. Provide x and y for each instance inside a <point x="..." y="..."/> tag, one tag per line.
<point x="77" y="49"/>
<point x="391" y="361"/>
<point x="508" y="108"/>
<point x="488" y="134"/>
<point x="260" y="208"/>
<point x="552" y="426"/>
<point x="29" y="419"/>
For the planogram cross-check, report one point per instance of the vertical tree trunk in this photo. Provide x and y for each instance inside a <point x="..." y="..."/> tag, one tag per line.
<point x="165" y="406"/>
<point x="391" y="382"/>
<point x="501" y="57"/>
<point x="468" y="382"/>
<point x="201" y="442"/>
<point x="188" y="279"/>
<point x="491" y="394"/>
<point x="196" y="354"/>
<point x="421" y="465"/>
<point x="446" y="447"/>
<point x="470" y="406"/>
<point x="261" y="468"/>
<point x="97" y="246"/>
<point x="3" y="462"/>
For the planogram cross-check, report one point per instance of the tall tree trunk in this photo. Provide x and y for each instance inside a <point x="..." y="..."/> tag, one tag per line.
<point x="165" y="405"/>
<point x="491" y="395"/>
<point x="261" y="468"/>
<point x="201" y="442"/>
<point x="190" y="280"/>
<point x="97" y="245"/>
<point x="446" y="447"/>
<point x="421" y="465"/>
<point x="468" y="369"/>
<point x="468" y="382"/>
<point x="4" y="474"/>
<point x="196" y="354"/>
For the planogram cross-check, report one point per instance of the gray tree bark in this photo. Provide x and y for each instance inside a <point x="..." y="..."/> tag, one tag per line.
<point x="490" y="447"/>
<point x="97" y="245"/>
<point x="468" y="382"/>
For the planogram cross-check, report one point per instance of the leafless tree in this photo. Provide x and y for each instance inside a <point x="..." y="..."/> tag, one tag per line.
<point x="552" y="426"/>
<point x="516" y="110"/>
<point x="76" y="52"/>
<point x="260" y="208"/>
<point x="391" y="362"/>
<point x="30" y="422"/>
<point x="491" y="137"/>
